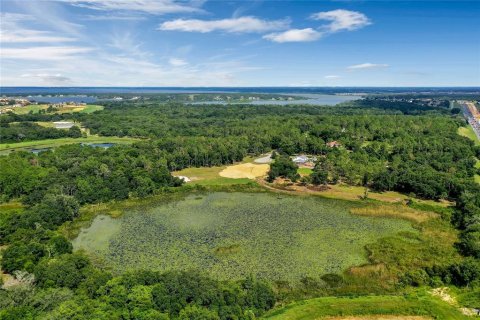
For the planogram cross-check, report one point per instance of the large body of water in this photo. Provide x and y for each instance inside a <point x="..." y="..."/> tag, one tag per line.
<point x="312" y="99"/>
<point x="62" y="98"/>
<point x="232" y="235"/>
<point x="278" y="90"/>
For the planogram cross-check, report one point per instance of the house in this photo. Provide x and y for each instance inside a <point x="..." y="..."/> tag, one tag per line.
<point x="333" y="144"/>
<point x="300" y="159"/>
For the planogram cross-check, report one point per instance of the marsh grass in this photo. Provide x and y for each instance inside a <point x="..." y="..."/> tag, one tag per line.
<point x="394" y="211"/>
<point x="233" y="235"/>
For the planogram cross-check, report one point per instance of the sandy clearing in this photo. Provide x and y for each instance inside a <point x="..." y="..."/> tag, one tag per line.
<point x="265" y="159"/>
<point x="245" y="170"/>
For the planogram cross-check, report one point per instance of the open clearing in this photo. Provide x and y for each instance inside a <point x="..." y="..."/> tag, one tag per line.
<point x="346" y="192"/>
<point x="209" y="176"/>
<point x="34" y="108"/>
<point x="52" y="143"/>
<point x="417" y="306"/>
<point x="245" y="170"/>
<point x="469" y="133"/>
<point x="231" y="236"/>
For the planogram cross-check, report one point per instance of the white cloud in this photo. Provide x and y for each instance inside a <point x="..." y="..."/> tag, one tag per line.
<point x="145" y="6"/>
<point x="13" y="30"/>
<point x="342" y="20"/>
<point x="368" y="65"/>
<point x="236" y="25"/>
<point x="294" y="35"/>
<point x="332" y="77"/>
<point x="43" y="53"/>
<point x="49" y="78"/>
<point x="177" y="62"/>
<point x="128" y="44"/>
<point x="339" y="20"/>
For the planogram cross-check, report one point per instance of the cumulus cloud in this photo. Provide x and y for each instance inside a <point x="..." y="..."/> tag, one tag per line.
<point x="368" y="65"/>
<point x="145" y="6"/>
<point x="339" y="20"/>
<point x="342" y="20"/>
<point x="294" y="35"/>
<point x="234" y="25"/>
<point x="175" y="62"/>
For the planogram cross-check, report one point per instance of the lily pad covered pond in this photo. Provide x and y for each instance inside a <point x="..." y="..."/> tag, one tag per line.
<point x="233" y="235"/>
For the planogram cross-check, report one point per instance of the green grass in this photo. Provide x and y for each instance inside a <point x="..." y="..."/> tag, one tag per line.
<point x="209" y="176"/>
<point x="304" y="171"/>
<point x="67" y="109"/>
<point x="469" y="133"/>
<point x="52" y="143"/>
<point x="91" y="108"/>
<point x="33" y="108"/>
<point x="222" y="181"/>
<point x="419" y="303"/>
<point x="275" y="237"/>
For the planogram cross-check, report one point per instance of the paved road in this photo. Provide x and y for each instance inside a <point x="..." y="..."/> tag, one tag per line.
<point x="472" y="115"/>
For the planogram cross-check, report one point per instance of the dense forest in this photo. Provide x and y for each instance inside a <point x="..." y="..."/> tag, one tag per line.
<point x="28" y="131"/>
<point x="382" y="146"/>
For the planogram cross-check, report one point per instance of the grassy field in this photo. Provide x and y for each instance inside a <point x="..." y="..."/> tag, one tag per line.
<point x="245" y="170"/>
<point x="304" y="171"/>
<point x="419" y="303"/>
<point x="210" y="176"/>
<point x="347" y="192"/>
<point x="469" y="133"/>
<point x="65" y="109"/>
<point x="231" y="235"/>
<point x="51" y="143"/>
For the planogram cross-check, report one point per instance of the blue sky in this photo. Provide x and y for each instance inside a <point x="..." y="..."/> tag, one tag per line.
<point x="239" y="43"/>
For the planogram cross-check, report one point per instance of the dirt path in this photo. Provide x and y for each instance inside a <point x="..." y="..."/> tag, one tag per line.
<point x="443" y="294"/>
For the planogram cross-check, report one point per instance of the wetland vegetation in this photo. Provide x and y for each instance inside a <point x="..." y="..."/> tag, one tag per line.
<point x="231" y="236"/>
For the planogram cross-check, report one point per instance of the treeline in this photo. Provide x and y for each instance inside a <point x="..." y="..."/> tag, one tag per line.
<point x="29" y="131"/>
<point x="416" y="107"/>
<point x="86" y="173"/>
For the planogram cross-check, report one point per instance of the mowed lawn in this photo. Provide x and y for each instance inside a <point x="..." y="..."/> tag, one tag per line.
<point x="52" y="143"/>
<point x="66" y="109"/>
<point x="469" y="133"/>
<point x="422" y="305"/>
<point x="210" y="176"/>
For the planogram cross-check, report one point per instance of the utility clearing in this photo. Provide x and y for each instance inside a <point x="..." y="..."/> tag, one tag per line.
<point x="245" y="170"/>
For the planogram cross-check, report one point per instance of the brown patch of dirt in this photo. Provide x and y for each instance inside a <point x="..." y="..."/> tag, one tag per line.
<point x="245" y="170"/>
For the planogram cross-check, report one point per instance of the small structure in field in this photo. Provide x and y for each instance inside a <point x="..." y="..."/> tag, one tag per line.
<point x="184" y="178"/>
<point x="63" y="124"/>
<point x="333" y="144"/>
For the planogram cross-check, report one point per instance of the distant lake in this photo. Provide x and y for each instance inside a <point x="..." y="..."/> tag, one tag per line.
<point x="60" y="99"/>
<point x="313" y="99"/>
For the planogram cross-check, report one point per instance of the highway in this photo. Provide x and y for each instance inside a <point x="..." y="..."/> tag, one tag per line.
<point x="472" y="115"/>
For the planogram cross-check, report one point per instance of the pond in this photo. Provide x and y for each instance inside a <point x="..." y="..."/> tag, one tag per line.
<point x="104" y="145"/>
<point x="233" y="235"/>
